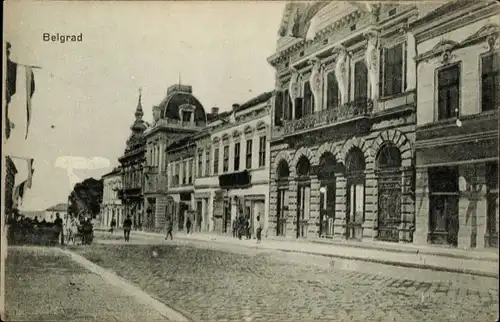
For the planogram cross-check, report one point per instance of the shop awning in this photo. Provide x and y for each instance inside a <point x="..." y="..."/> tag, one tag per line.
<point x="235" y="180"/>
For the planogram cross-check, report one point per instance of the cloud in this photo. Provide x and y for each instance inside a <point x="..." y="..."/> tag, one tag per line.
<point x="70" y="163"/>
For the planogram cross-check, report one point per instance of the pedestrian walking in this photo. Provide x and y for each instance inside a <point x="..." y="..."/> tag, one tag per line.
<point x="59" y="225"/>
<point x="113" y="224"/>
<point x="188" y="225"/>
<point x="247" y="227"/>
<point x="170" y="226"/>
<point x="259" y="230"/>
<point x="235" y="227"/>
<point x="127" y="226"/>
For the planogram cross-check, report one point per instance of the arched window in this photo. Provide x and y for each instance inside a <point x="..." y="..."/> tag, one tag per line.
<point x="303" y="167"/>
<point x="389" y="157"/>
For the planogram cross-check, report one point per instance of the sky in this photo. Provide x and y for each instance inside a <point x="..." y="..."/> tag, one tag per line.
<point x="86" y="92"/>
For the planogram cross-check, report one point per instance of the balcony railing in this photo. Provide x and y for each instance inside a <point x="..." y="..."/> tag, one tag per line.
<point x="342" y="113"/>
<point x="156" y="183"/>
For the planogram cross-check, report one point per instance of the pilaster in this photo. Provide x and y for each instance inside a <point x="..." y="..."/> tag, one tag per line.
<point x="313" y="227"/>
<point x="407" y="226"/>
<point x="422" y="207"/>
<point x="340" y="206"/>
<point x="371" y="195"/>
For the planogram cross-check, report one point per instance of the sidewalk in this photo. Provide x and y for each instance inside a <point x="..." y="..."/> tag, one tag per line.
<point x="480" y="263"/>
<point x="44" y="284"/>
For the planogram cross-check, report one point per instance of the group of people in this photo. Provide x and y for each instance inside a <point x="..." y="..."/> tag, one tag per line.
<point x="242" y="227"/>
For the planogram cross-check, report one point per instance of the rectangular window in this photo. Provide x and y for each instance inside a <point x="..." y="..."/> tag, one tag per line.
<point x="262" y="151"/>
<point x="225" y="161"/>
<point x="308" y="99"/>
<point x="490" y="82"/>
<point x="216" y="161"/>
<point x="189" y="171"/>
<point x="185" y="172"/>
<point x="278" y="108"/>
<point x="332" y="91"/>
<point x="207" y="162"/>
<point x="177" y="173"/>
<point x="287" y="106"/>
<point x="393" y="72"/>
<point x="448" y="92"/>
<point x="236" y="156"/>
<point x="200" y="164"/>
<point x="360" y="82"/>
<point x="248" y="162"/>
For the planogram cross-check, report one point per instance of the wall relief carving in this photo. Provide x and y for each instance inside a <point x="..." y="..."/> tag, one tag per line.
<point x="341" y="73"/>
<point x="371" y="59"/>
<point x="316" y="81"/>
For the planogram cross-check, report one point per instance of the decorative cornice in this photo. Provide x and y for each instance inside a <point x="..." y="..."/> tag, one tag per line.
<point x="445" y="47"/>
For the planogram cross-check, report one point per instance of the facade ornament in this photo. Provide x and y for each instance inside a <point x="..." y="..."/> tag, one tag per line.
<point x="371" y="59"/>
<point x="341" y="74"/>
<point x="493" y="43"/>
<point x="316" y="80"/>
<point x="156" y="114"/>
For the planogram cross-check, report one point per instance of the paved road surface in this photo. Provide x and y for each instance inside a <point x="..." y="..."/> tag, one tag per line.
<point x="226" y="282"/>
<point x="44" y="285"/>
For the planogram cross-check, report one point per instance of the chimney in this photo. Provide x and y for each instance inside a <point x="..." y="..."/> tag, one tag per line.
<point x="235" y="106"/>
<point x="215" y="111"/>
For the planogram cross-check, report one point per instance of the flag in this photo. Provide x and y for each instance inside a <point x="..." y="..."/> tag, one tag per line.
<point x="30" y="89"/>
<point x="18" y="193"/>
<point x="11" y="79"/>
<point x="30" y="173"/>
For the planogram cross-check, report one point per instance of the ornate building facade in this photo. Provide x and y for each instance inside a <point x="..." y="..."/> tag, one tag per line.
<point x="132" y="166"/>
<point x="457" y="125"/>
<point x="342" y="161"/>
<point x="175" y="119"/>
<point x="111" y="206"/>
<point x="232" y="163"/>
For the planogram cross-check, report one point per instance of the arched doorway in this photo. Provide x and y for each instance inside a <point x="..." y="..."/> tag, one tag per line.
<point x="355" y="175"/>
<point x="303" y="196"/>
<point x="389" y="192"/>
<point x="282" y="175"/>
<point x="326" y="174"/>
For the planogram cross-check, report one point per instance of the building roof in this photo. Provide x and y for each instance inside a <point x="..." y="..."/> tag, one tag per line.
<point x="177" y="96"/>
<point x="115" y="171"/>
<point x="256" y="100"/>
<point x="58" y="207"/>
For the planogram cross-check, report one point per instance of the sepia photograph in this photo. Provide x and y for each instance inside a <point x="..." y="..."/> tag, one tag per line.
<point x="216" y="161"/>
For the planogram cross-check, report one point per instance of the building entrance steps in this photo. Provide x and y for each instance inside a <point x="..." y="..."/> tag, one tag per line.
<point x="482" y="263"/>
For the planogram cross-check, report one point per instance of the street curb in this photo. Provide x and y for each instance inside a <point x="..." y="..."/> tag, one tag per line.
<point x="354" y="258"/>
<point x="140" y="295"/>
<point x="399" y="264"/>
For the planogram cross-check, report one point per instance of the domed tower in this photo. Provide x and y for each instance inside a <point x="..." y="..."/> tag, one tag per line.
<point x="179" y="115"/>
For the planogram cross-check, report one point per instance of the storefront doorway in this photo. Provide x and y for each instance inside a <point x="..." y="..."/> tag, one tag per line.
<point x="283" y="173"/>
<point x="303" y="197"/>
<point x="328" y="168"/>
<point x="355" y="174"/>
<point x="389" y="193"/>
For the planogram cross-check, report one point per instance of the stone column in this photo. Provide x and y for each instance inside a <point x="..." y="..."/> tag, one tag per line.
<point x="340" y="206"/>
<point x="422" y="207"/>
<point x="314" y="207"/>
<point x="407" y="225"/>
<point x="292" y="209"/>
<point x="371" y="205"/>
<point x="273" y="208"/>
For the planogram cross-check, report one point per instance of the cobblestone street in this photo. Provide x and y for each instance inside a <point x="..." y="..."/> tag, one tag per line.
<point x="44" y="285"/>
<point x="222" y="282"/>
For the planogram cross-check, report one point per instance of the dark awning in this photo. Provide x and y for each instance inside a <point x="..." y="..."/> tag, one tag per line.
<point x="235" y="180"/>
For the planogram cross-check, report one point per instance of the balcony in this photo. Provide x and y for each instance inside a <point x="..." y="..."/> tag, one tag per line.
<point x="155" y="183"/>
<point x="176" y="124"/>
<point x="348" y="112"/>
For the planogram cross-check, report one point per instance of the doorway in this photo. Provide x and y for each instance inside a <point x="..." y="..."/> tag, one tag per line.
<point x="355" y="173"/>
<point x="303" y="197"/>
<point x="199" y="216"/>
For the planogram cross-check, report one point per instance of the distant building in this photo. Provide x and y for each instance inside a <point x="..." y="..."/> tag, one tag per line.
<point x="177" y="117"/>
<point x="111" y="206"/>
<point x="132" y="169"/>
<point x="50" y="213"/>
